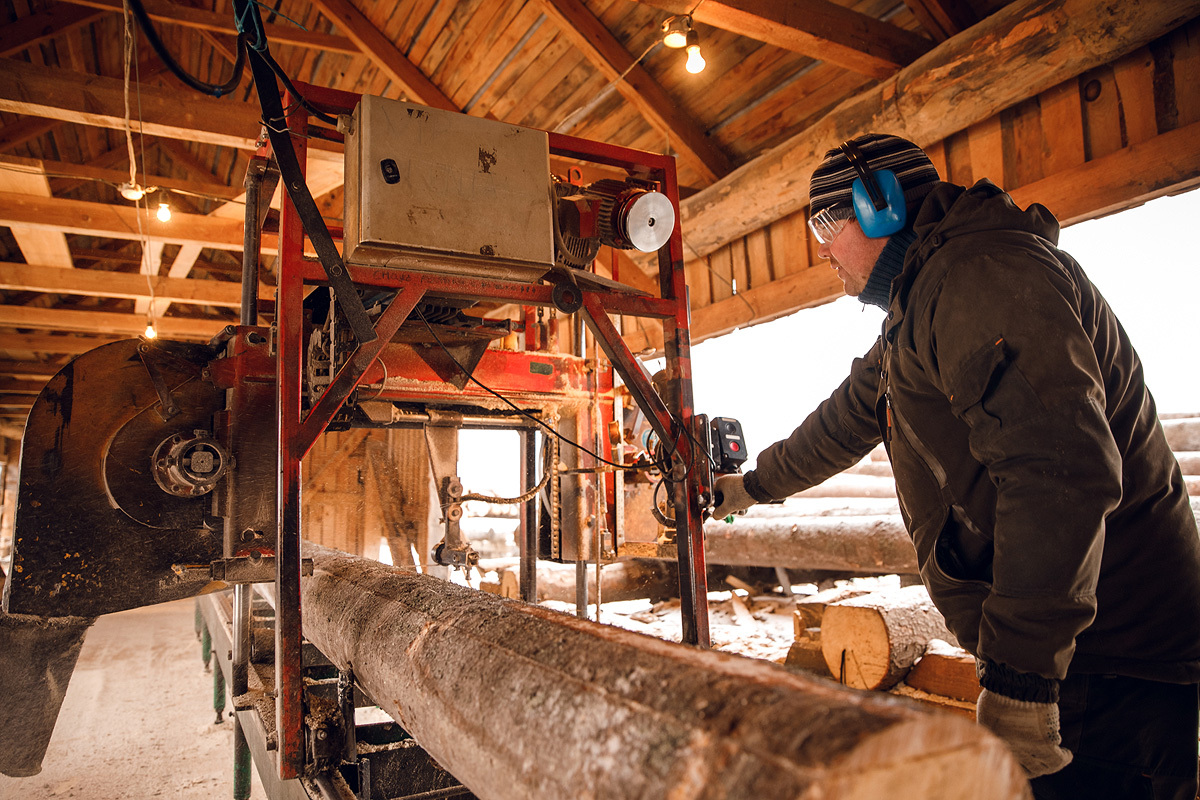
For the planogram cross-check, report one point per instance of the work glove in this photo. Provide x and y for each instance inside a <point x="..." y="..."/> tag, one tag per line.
<point x="1029" y="729"/>
<point x="730" y="496"/>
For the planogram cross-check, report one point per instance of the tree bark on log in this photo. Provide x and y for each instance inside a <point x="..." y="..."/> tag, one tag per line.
<point x="519" y="701"/>
<point x="871" y="642"/>
<point x="877" y="545"/>
<point x="623" y="580"/>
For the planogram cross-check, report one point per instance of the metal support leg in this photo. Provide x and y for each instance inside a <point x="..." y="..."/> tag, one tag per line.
<point x="529" y="519"/>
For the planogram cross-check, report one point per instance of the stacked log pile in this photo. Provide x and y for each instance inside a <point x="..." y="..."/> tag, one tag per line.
<point x="851" y="523"/>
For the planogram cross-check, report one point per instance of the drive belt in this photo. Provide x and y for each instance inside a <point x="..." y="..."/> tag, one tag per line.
<point x="310" y="217"/>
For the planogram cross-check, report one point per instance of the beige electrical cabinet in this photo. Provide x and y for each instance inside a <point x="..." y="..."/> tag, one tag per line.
<point x="437" y="191"/>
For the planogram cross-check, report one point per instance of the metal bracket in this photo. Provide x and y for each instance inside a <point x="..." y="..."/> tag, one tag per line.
<point x="239" y="569"/>
<point x="167" y="407"/>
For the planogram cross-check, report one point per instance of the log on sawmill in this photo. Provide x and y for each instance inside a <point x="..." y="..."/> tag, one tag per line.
<point x="871" y="642"/>
<point x="1183" y="434"/>
<point x="519" y="701"/>
<point x="877" y="544"/>
<point x="634" y="579"/>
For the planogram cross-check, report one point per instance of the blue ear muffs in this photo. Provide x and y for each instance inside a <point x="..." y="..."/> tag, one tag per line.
<point x="877" y="223"/>
<point x="877" y="196"/>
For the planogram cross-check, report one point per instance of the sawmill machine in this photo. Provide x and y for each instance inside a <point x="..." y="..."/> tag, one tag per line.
<point x="156" y="470"/>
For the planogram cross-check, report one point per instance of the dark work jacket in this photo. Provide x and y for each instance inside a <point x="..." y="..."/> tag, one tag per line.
<point x="1049" y="515"/>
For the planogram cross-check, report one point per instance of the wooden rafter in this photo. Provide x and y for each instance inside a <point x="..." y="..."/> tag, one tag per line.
<point x="941" y="18"/>
<point x="1166" y="164"/>
<point x="10" y="341"/>
<point x="102" y="283"/>
<point x="608" y="55"/>
<point x="819" y="29"/>
<point x="174" y="14"/>
<point x="384" y="53"/>
<point x="167" y="112"/>
<point x="26" y="130"/>
<point x="997" y="63"/>
<point x="72" y="175"/>
<point x="56" y="319"/>
<point x="121" y="222"/>
<point x="31" y="31"/>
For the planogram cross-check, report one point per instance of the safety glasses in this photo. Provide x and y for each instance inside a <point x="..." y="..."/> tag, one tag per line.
<point x="825" y="226"/>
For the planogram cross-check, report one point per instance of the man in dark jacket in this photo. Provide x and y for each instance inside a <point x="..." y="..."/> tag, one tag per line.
<point x="1049" y="515"/>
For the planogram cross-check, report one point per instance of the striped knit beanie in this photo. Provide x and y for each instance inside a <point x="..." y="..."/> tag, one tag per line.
<point x="831" y="181"/>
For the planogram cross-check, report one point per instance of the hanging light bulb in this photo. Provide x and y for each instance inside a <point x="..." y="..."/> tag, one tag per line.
<point x="675" y="30"/>
<point x="695" y="61"/>
<point x="164" y="211"/>
<point x="151" y="332"/>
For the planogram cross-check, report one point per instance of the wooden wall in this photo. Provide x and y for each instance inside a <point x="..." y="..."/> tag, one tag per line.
<point x="1109" y="139"/>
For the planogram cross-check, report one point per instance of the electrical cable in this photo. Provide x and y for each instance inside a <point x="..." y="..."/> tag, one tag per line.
<point x="521" y="411"/>
<point x="546" y="470"/>
<point x="214" y="89"/>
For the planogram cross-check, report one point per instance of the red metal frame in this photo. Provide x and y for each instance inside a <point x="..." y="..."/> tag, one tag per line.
<point x="298" y="431"/>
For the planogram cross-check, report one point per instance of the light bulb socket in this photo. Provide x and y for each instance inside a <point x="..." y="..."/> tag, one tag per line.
<point x="676" y="31"/>
<point x="693" y="42"/>
<point x="131" y="191"/>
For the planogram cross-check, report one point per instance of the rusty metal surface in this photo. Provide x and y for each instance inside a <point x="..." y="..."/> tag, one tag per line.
<point x="94" y="532"/>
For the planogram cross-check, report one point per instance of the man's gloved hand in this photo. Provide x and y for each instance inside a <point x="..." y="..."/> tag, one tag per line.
<point x="1029" y="729"/>
<point x="730" y="495"/>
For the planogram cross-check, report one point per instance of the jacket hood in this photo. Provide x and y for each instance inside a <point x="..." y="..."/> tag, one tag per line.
<point x="952" y="210"/>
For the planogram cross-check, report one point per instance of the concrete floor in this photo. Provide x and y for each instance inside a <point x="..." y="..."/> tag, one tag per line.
<point x="138" y="719"/>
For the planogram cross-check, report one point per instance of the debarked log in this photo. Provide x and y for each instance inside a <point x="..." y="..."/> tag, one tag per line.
<point x="519" y="701"/>
<point x="875" y="544"/>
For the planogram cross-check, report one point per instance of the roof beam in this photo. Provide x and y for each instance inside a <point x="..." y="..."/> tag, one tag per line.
<point x="168" y="112"/>
<point x="611" y="58"/>
<point x="995" y="64"/>
<point x="103" y="283"/>
<point x="46" y="343"/>
<point x="31" y="31"/>
<point x="385" y="54"/>
<point x="819" y="29"/>
<point x="38" y="245"/>
<point x="1167" y="164"/>
<point x="59" y="319"/>
<point x="25" y="130"/>
<point x="121" y="222"/>
<point x="941" y="18"/>
<point x="173" y="14"/>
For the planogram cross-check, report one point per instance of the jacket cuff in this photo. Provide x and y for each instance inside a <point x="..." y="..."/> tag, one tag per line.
<point x="1003" y="679"/>
<point x="754" y="488"/>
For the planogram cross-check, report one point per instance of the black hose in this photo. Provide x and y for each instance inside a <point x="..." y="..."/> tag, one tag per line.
<point x="214" y="89"/>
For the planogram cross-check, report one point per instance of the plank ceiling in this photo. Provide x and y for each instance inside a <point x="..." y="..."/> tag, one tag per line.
<point x="775" y="69"/>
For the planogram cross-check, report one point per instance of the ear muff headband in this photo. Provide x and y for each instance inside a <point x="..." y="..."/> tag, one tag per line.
<point x="877" y="196"/>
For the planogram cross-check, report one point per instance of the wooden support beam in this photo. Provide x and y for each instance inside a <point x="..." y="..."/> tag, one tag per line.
<point x="43" y="26"/>
<point x="380" y="49"/>
<point x="454" y="666"/>
<point x="277" y="33"/>
<point x="64" y="176"/>
<point x="996" y="63"/>
<point x="11" y="342"/>
<point x="58" y="319"/>
<point x="38" y="245"/>
<point x="609" y="56"/>
<point x="102" y="283"/>
<point x="26" y="130"/>
<point x="1167" y="164"/>
<point x="28" y="369"/>
<point x="819" y="29"/>
<point x="93" y="100"/>
<point x="121" y="222"/>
